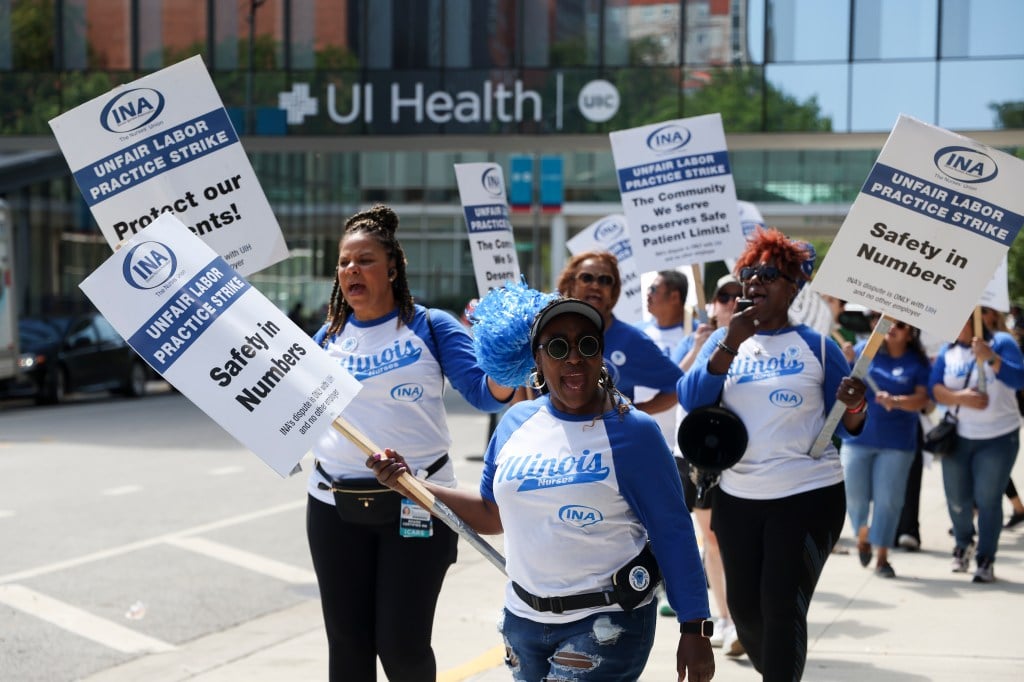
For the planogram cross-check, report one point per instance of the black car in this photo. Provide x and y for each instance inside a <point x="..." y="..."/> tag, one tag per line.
<point x="62" y="355"/>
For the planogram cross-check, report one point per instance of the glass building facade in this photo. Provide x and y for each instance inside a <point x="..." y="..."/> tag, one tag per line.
<point x="345" y="103"/>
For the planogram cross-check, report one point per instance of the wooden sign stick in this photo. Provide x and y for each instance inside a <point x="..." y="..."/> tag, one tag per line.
<point x="860" y="369"/>
<point x="424" y="497"/>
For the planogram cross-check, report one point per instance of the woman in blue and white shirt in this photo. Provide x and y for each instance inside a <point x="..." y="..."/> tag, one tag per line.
<point x="580" y="481"/>
<point x="778" y="512"/>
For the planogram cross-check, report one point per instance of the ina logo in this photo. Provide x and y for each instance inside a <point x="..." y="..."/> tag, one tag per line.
<point x="966" y="164"/>
<point x="608" y="230"/>
<point x="131" y="110"/>
<point x="491" y="181"/>
<point x="149" y="265"/>
<point x="668" y="138"/>
<point x="785" y="398"/>
<point x="579" y="516"/>
<point x="407" y="393"/>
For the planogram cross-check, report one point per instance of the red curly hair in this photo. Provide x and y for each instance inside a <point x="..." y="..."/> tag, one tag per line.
<point x="770" y="245"/>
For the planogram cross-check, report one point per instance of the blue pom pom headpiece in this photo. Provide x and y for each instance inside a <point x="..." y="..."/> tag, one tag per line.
<point x="501" y="331"/>
<point x="807" y="266"/>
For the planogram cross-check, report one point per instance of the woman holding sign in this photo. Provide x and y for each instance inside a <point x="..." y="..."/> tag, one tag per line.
<point x="877" y="461"/>
<point x="379" y="559"/>
<point x="778" y="511"/>
<point x="585" y="490"/>
<point x="977" y="472"/>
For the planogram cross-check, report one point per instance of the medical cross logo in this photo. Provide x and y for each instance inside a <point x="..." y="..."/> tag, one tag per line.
<point x="297" y="103"/>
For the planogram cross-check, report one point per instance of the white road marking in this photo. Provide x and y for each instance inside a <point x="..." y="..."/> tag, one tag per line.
<point x="247" y="560"/>
<point x="122" y="490"/>
<point x="226" y="471"/>
<point x="150" y="542"/>
<point x="80" y="622"/>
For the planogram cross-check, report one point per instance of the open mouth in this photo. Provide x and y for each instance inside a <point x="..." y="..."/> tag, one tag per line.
<point x="574" y="381"/>
<point x="355" y="289"/>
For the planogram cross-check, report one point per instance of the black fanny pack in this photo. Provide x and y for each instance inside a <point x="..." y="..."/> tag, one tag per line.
<point x="630" y="586"/>
<point x="364" y="501"/>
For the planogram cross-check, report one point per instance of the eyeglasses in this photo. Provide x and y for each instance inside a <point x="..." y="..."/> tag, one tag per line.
<point x="724" y="297"/>
<point x="590" y="278"/>
<point x="558" y="347"/>
<point x="766" y="273"/>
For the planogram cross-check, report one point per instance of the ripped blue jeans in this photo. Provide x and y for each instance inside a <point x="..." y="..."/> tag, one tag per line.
<point x="604" y="646"/>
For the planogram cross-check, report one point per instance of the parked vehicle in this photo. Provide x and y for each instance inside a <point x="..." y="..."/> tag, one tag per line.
<point x="8" y="307"/>
<point x="75" y="353"/>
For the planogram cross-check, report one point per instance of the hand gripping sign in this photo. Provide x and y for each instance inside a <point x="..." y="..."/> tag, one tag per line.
<point x="232" y="352"/>
<point x="932" y="222"/>
<point x="164" y="144"/>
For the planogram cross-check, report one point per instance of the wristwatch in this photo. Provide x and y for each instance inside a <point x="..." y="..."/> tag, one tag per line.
<point x="704" y="628"/>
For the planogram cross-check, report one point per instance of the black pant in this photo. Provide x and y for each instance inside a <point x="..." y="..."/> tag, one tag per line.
<point x="908" y="524"/>
<point x="378" y="592"/>
<point x="773" y="552"/>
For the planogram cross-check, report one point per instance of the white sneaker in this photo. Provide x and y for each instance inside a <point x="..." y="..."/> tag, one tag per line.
<point x="719" y="635"/>
<point x="962" y="558"/>
<point x="731" y="645"/>
<point x="984" y="573"/>
<point x="907" y="541"/>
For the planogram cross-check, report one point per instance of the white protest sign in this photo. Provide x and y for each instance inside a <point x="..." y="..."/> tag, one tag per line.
<point x="678" y="192"/>
<point x="750" y="218"/>
<point x="933" y="220"/>
<point x="482" y="192"/>
<point x="808" y="307"/>
<point x="222" y="343"/>
<point x="164" y="144"/>
<point x="612" y="234"/>
<point x="997" y="291"/>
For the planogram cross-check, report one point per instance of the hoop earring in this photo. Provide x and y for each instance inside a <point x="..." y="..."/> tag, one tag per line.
<point x="532" y="380"/>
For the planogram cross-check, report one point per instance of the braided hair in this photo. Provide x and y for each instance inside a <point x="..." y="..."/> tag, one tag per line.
<point x="381" y="222"/>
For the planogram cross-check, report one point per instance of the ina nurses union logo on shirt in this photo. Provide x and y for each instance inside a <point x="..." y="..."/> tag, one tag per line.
<point x="966" y="165"/>
<point x="131" y="110"/>
<point x="491" y="182"/>
<point x="579" y="516"/>
<point x="149" y="265"/>
<point x="668" y="138"/>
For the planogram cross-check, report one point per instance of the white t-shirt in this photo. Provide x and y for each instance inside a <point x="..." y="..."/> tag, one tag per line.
<point x="665" y="338"/>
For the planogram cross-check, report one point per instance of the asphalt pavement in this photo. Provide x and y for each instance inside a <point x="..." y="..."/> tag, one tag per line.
<point x="926" y="625"/>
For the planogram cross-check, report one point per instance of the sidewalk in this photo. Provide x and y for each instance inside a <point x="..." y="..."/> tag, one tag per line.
<point x="928" y="624"/>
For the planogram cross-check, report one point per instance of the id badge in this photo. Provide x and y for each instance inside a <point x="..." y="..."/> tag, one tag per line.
<point x="415" y="521"/>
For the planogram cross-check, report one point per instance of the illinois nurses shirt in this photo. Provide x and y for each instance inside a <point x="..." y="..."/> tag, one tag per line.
<point x="780" y="387"/>
<point x="400" y="404"/>
<point x="579" y="498"/>
<point x="1002" y="416"/>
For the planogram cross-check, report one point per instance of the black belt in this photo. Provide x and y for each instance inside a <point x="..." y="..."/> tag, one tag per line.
<point x="570" y="603"/>
<point x="431" y="470"/>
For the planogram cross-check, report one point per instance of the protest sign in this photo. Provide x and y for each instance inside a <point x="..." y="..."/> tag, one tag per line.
<point x="678" y="192"/>
<point x="163" y="144"/>
<point x="220" y="342"/>
<point x="997" y="292"/>
<point x="482" y="192"/>
<point x="611" y="234"/>
<point x="934" y="218"/>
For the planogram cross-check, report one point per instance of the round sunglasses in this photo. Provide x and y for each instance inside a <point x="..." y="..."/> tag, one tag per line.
<point x="558" y="348"/>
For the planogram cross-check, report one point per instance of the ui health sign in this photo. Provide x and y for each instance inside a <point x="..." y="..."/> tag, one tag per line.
<point x="220" y="342"/>
<point x="163" y="144"/>
<point x="678" y="193"/>
<point x="930" y="226"/>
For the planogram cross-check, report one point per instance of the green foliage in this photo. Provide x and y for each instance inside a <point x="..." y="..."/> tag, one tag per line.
<point x="32" y="24"/>
<point x="736" y="94"/>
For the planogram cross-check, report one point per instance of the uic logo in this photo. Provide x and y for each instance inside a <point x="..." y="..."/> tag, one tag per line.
<point x="598" y="101"/>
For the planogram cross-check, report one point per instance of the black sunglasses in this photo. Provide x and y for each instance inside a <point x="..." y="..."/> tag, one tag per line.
<point x="724" y="297"/>
<point x="558" y="348"/>
<point x="766" y="273"/>
<point x="590" y="278"/>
